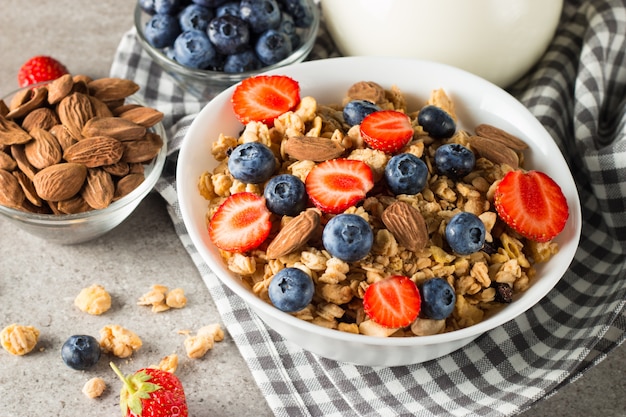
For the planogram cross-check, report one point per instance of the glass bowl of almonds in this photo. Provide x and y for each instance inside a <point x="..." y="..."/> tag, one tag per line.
<point x="77" y="156"/>
<point x="395" y="276"/>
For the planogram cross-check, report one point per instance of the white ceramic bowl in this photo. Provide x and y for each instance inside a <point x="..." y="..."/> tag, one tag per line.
<point x="497" y="40"/>
<point x="476" y="101"/>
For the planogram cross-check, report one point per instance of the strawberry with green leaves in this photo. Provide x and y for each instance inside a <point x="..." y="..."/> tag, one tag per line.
<point x="151" y="392"/>
<point x="263" y="98"/>
<point x="393" y="302"/>
<point x="532" y="204"/>
<point x="39" y="69"/>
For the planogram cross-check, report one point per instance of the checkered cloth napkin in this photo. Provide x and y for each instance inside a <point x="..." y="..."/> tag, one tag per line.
<point x="578" y="92"/>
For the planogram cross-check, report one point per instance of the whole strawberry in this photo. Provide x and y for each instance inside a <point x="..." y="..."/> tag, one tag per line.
<point x="39" y="69"/>
<point x="151" y="392"/>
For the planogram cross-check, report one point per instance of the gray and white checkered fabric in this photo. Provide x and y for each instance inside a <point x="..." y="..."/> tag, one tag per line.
<point x="578" y="92"/>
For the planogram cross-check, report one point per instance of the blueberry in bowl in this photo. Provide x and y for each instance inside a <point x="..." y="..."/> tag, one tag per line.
<point x="209" y="45"/>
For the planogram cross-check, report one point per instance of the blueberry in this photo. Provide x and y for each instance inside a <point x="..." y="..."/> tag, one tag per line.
<point x="252" y="163"/>
<point x="161" y="30"/>
<point x="406" y="174"/>
<point x="454" y="160"/>
<point x="273" y="46"/>
<point x="436" y="122"/>
<point x="80" y="352"/>
<point x="301" y="11"/>
<point x="241" y="62"/>
<point x="170" y="7"/>
<point x="465" y="233"/>
<point x="261" y="15"/>
<point x="230" y="34"/>
<point x="438" y="298"/>
<point x="285" y="194"/>
<point x="193" y="49"/>
<point x="288" y="27"/>
<point x="195" y="17"/>
<point x="348" y="237"/>
<point x="291" y="290"/>
<point x="231" y="8"/>
<point x="209" y="3"/>
<point x="147" y="6"/>
<point x="355" y="111"/>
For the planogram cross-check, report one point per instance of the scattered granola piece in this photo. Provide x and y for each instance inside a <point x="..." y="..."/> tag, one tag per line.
<point x="94" y="387"/>
<point x="161" y="299"/>
<point x="19" y="340"/>
<point x="119" y="341"/>
<point x="176" y="298"/>
<point x="93" y="300"/>
<point x="197" y="346"/>
<point x="168" y="363"/>
<point x="213" y="331"/>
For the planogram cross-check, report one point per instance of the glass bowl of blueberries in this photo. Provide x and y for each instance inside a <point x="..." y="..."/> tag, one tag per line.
<point x="209" y="45"/>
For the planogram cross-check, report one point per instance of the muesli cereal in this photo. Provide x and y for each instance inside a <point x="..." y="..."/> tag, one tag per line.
<point x="93" y="300"/>
<point x="94" y="388"/>
<point x="119" y="341"/>
<point x="476" y="276"/>
<point x="18" y="339"/>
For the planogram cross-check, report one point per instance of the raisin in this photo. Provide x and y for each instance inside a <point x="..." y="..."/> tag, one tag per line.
<point x="504" y="292"/>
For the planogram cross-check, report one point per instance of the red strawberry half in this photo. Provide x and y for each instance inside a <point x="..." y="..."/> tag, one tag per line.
<point x="151" y="392"/>
<point x="337" y="184"/>
<point x="264" y="97"/>
<point x="39" y="69"/>
<point x="386" y="130"/>
<point x="393" y="302"/>
<point x="241" y="223"/>
<point x="532" y="204"/>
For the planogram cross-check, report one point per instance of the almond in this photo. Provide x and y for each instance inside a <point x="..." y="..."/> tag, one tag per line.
<point x="367" y="90"/>
<point x="499" y="135"/>
<point x="44" y="150"/>
<point x="112" y="89"/>
<point x="142" y="150"/>
<point x="18" y="154"/>
<point x="11" y="133"/>
<point x="76" y="204"/>
<point x="11" y="194"/>
<point x="74" y="111"/>
<point x="29" y="102"/>
<point x="114" y="127"/>
<point x="60" y="88"/>
<point x="100" y="108"/>
<point x="7" y="162"/>
<point x="309" y="148"/>
<point x="143" y="116"/>
<point x="98" y="189"/>
<point x="60" y="181"/>
<point x="407" y="225"/>
<point x="28" y="188"/>
<point x="64" y="137"/>
<point x="42" y="117"/>
<point x="127" y="184"/>
<point x="494" y="151"/>
<point x="95" y="151"/>
<point x="294" y="234"/>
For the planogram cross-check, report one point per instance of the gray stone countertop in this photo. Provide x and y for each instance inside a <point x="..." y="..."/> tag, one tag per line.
<point x="38" y="281"/>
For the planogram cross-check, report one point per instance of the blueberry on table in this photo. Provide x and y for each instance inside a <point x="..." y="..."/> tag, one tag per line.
<point x="436" y="122"/>
<point x="80" y="352"/>
<point x="355" y="111"/>
<point x="291" y="290"/>
<point x="465" y="233"/>
<point x="285" y="194"/>
<point x="454" y="160"/>
<point x="195" y="17"/>
<point x="405" y="173"/>
<point x="261" y="15"/>
<point x="348" y="237"/>
<point x="273" y="46"/>
<point x="252" y="163"/>
<point x="193" y="49"/>
<point x="161" y="30"/>
<point x="438" y="298"/>
<point x="230" y="34"/>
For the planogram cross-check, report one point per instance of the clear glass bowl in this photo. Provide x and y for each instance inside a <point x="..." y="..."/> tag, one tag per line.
<point x="205" y="84"/>
<point x="69" y="229"/>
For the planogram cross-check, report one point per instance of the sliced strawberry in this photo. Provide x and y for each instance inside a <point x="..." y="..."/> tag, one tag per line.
<point x="264" y="97"/>
<point x="337" y="184"/>
<point x="241" y="223"/>
<point x="393" y="302"/>
<point x="532" y="204"/>
<point x="39" y="69"/>
<point x="386" y="130"/>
